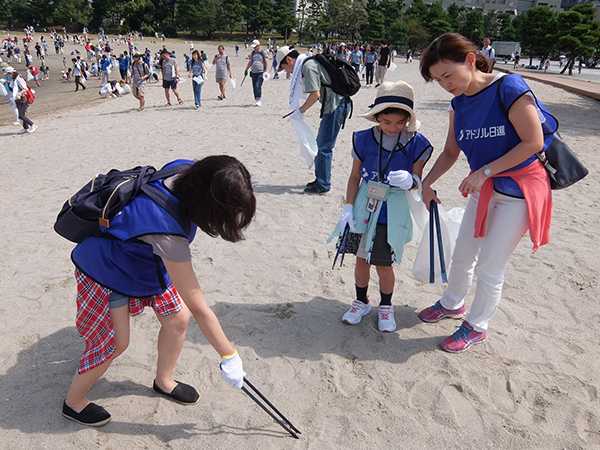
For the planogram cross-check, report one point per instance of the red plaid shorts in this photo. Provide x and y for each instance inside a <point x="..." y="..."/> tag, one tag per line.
<point x="93" y="317"/>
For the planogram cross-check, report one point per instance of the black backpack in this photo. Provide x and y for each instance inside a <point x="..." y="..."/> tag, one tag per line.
<point x="344" y="79"/>
<point x="105" y="195"/>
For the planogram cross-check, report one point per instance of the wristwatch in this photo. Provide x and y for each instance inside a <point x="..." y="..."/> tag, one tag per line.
<point x="487" y="171"/>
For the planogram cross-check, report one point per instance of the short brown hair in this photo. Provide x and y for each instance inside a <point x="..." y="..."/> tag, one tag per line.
<point x="450" y="47"/>
<point x="216" y="194"/>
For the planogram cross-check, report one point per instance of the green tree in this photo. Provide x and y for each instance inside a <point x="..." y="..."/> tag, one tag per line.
<point x="259" y="16"/>
<point x="473" y="26"/>
<point x="578" y="33"/>
<point x="418" y="37"/>
<point x="285" y="18"/>
<point x="536" y="31"/>
<point x="374" y="30"/>
<point x="351" y="19"/>
<point x="136" y="12"/>
<point x="436" y="20"/>
<point x="199" y="16"/>
<point x="232" y="12"/>
<point x="418" y="9"/>
<point x="74" y="13"/>
<point x="398" y="34"/>
<point x="457" y="16"/>
<point x="492" y="25"/>
<point x="316" y="14"/>
<point x="507" y="31"/>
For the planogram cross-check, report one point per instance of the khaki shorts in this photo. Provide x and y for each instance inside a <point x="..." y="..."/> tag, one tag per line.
<point x="139" y="91"/>
<point x="221" y="80"/>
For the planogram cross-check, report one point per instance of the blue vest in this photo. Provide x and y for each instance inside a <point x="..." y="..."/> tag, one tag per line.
<point x="484" y="133"/>
<point x="367" y="149"/>
<point x="127" y="265"/>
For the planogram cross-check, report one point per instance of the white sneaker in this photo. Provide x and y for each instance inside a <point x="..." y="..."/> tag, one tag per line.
<point x="22" y="131"/>
<point x="32" y="129"/>
<point x="357" y="312"/>
<point x="387" y="321"/>
<point x="258" y="103"/>
<point x="17" y="123"/>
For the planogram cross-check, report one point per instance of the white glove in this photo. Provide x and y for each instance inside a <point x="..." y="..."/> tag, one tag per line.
<point x="347" y="217"/>
<point x="400" y="178"/>
<point x="297" y="115"/>
<point x="232" y="370"/>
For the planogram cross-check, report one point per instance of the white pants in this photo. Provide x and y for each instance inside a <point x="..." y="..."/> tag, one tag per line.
<point x="507" y="222"/>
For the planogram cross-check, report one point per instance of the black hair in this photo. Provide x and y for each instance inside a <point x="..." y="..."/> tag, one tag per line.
<point x="392" y="110"/>
<point x="216" y="194"/>
<point x="293" y="54"/>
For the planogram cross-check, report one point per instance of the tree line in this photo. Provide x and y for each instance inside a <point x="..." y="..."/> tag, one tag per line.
<point x="541" y="31"/>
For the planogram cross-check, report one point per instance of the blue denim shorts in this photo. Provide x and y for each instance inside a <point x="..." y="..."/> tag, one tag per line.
<point x="117" y="300"/>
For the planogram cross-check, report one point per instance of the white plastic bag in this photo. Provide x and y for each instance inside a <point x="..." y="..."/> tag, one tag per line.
<point x="266" y="76"/>
<point x="392" y="67"/>
<point x="308" y="143"/>
<point x="418" y="210"/>
<point x="233" y="83"/>
<point x="29" y="76"/>
<point x="198" y="79"/>
<point x="82" y="80"/>
<point x="450" y="224"/>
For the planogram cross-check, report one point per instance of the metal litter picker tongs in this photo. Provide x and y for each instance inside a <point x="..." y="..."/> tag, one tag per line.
<point x="342" y="246"/>
<point x="259" y="403"/>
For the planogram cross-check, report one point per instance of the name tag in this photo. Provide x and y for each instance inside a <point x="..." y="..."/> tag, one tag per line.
<point x="377" y="191"/>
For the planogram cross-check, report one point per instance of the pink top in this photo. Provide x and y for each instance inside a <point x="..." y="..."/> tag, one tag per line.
<point x="534" y="182"/>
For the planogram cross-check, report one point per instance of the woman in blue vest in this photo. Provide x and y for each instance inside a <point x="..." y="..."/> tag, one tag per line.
<point x="508" y="187"/>
<point x="144" y="259"/>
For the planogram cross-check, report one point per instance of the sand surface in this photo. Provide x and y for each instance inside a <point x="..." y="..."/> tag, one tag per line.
<point x="534" y="384"/>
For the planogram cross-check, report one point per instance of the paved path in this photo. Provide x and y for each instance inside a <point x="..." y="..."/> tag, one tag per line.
<point x="587" y="83"/>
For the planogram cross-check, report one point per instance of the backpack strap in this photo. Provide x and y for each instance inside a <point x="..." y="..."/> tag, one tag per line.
<point x="169" y="205"/>
<point x="162" y="199"/>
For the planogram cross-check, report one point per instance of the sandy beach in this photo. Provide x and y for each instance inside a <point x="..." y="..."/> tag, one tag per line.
<point x="533" y="384"/>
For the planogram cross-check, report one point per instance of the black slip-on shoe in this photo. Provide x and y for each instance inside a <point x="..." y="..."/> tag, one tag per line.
<point x="92" y="415"/>
<point x="311" y="184"/>
<point x="182" y="393"/>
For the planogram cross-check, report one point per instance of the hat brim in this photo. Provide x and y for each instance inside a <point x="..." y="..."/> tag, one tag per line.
<point x="413" y="123"/>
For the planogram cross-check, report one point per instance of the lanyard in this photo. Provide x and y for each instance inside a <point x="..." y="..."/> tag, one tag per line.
<point x="398" y="146"/>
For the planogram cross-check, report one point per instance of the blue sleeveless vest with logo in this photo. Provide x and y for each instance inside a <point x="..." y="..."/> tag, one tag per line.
<point x="124" y="264"/>
<point x="367" y="149"/>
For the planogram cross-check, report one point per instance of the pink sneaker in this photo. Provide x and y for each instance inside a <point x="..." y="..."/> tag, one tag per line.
<point x="462" y="339"/>
<point x="357" y="312"/>
<point x="437" y="312"/>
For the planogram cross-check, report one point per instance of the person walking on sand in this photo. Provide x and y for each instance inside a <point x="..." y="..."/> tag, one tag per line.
<point x="104" y="66"/>
<point x="141" y="73"/>
<point x="389" y="156"/>
<point x="223" y="69"/>
<point x="508" y="188"/>
<point x="19" y="89"/>
<point x="78" y="73"/>
<point x="308" y="76"/>
<point x="383" y="62"/>
<point x="196" y="72"/>
<point x="7" y="70"/>
<point x="145" y="260"/>
<point x="170" y="74"/>
<point x="258" y="65"/>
